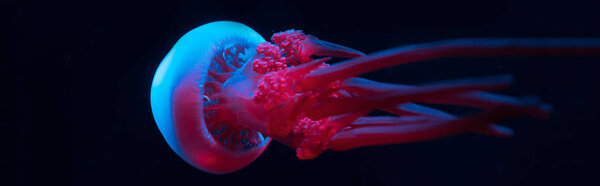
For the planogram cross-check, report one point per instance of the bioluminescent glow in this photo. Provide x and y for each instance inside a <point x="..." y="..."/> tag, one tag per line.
<point x="223" y="92"/>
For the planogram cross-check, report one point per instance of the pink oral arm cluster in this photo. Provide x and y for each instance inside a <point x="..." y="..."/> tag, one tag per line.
<point x="312" y="106"/>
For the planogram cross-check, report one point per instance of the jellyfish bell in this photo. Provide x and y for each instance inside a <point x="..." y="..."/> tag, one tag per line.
<point x="183" y="86"/>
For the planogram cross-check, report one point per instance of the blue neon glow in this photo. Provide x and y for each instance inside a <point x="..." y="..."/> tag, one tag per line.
<point x="191" y="54"/>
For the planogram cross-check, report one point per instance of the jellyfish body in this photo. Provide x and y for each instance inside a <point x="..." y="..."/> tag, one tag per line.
<point x="177" y="96"/>
<point x="223" y="92"/>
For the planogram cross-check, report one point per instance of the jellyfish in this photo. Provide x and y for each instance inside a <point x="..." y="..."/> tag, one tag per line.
<point x="222" y="93"/>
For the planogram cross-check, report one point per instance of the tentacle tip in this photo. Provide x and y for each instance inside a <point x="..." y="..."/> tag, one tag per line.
<point x="542" y="109"/>
<point x="325" y="48"/>
<point x="546" y="107"/>
<point x="353" y="53"/>
<point x="503" y="131"/>
<point x="359" y="54"/>
<point x="495" y="130"/>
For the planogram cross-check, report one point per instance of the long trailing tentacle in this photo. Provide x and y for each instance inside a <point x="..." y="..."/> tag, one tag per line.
<point x="369" y="131"/>
<point x="452" y="48"/>
<point x="396" y="95"/>
<point x="477" y="99"/>
<point x="412" y="109"/>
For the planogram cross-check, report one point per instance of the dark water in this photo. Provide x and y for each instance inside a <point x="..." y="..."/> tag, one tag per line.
<point x="76" y="80"/>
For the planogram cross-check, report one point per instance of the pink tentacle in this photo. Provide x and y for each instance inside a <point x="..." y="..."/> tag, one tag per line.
<point x="452" y="48"/>
<point x="477" y="99"/>
<point x="313" y="46"/>
<point x="401" y="95"/>
<point x="411" y="109"/>
<point x="382" y="131"/>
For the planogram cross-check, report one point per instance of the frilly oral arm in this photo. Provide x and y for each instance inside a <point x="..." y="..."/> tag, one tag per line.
<point x="293" y="48"/>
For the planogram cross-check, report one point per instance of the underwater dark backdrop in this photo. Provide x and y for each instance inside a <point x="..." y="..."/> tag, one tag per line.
<point x="76" y="79"/>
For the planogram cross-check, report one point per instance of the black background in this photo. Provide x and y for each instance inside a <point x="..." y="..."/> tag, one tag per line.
<point x="76" y="80"/>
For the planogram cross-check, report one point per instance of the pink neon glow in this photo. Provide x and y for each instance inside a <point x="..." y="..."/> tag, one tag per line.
<point x="332" y="115"/>
<point x="297" y="99"/>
